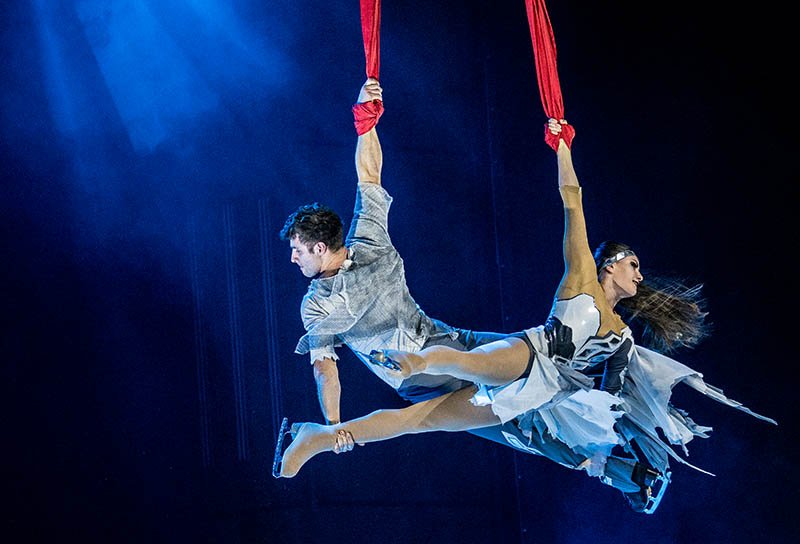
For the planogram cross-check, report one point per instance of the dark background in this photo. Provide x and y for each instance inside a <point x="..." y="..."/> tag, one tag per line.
<point x="151" y="151"/>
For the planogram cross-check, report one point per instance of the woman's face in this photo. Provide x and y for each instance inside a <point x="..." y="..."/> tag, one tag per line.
<point x="626" y="275"/>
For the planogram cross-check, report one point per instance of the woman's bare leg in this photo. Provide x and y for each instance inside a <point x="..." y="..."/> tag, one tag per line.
<point x="497" y="363"/>
<point x="451" y="412"/>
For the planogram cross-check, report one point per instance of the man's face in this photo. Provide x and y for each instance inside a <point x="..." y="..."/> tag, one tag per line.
<point x="308" y="259"/>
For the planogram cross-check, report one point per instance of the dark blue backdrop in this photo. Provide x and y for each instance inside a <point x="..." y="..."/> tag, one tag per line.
<point x="151" y="152"/>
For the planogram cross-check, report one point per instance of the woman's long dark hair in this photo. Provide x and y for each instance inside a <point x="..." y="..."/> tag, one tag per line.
<point x="671" y="313"/>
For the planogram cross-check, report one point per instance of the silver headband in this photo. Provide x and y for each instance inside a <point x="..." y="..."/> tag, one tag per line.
<point x="617" y="257"/>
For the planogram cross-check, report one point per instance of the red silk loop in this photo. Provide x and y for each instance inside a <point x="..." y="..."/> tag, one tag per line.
<point x="567" y="134"/>
<point x="545" y="55"/>
<point x="366" y="115"/>
<point x="371" y="32"/>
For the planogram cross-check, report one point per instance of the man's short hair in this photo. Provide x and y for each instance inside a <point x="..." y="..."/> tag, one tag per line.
<point x="314" y="223"/>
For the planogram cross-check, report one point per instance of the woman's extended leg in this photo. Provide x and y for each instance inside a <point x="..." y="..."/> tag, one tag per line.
<point x="450" y="412"/>
<point x="496" y="363"/>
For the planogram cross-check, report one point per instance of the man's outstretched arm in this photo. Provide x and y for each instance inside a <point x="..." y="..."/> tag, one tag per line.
<point x="329" y="390"/>
<point x="369" y="157"/>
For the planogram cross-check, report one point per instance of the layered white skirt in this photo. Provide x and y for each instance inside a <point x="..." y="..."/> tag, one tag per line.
<point x="585" y="419"/>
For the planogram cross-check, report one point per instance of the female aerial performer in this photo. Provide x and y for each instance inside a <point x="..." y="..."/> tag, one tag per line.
<point x="579" y="378"/>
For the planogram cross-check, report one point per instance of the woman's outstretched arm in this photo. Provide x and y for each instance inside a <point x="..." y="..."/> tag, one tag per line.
<point x="579" y="268"/>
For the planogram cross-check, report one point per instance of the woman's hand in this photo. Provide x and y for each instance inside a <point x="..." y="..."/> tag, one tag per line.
<point x="555" y="127"/>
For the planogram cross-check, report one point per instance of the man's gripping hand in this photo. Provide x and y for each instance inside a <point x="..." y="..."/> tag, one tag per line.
<point x="371" y="90"/>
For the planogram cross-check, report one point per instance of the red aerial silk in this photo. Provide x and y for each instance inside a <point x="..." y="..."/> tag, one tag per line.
<point x="544" y="52"/>
<point x="371" y="31"/>
<point x="366" y="114"/>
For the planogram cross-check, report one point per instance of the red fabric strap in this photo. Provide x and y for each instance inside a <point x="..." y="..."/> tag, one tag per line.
<point x="370" y="30"/>
<point x="544" y="52"/>
<point x="366" y="115"/>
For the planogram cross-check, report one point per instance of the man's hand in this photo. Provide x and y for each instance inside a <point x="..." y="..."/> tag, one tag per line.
<point x="371" y="90"/>
<point x="344" y="441"/>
